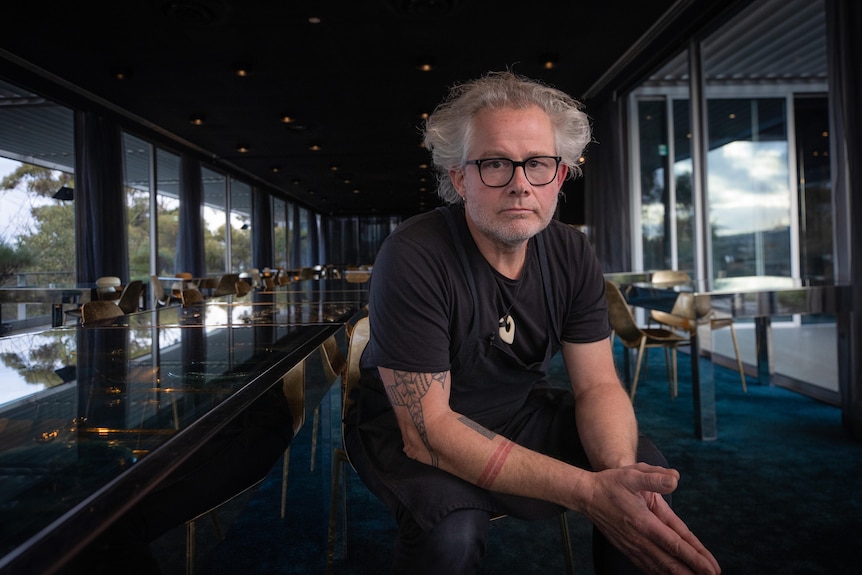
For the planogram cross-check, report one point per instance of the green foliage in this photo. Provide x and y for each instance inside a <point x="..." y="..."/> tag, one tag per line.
<point x="12" y="260"/>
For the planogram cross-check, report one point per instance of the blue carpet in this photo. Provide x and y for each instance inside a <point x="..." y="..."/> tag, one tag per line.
<point x="779" y="492"/>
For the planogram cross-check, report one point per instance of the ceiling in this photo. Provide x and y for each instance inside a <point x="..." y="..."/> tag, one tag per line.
<point x="349" y="82"/>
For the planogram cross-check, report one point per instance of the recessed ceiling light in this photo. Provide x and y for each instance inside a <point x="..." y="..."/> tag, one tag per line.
<point x="197" y="119"/>
<point x="286" y="119"/>
<point x="242" y="69"/>
<point x="315" y="147"/>
<point x="242" y="148"/>
<point x="314" y="20"/>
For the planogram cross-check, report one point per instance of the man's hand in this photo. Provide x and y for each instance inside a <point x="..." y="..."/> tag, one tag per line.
<point x="628" y="508"/>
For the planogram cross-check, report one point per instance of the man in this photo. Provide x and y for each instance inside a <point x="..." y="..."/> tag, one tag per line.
<point x="454" y="420"/>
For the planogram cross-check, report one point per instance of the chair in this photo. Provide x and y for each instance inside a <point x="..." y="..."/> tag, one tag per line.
<point x="184" y="282"/>
<point x="634" y="337"/>
<point x="99" y="310"/>
<point x="227" y="285"/>
<point x="108" y="287"/>
<point x="130" y="298"/>
<point x="293" y="386"/>
<point x="357" y="276"/>
<point x="191" y="296"/>
<point x="358" y="336"/>
<point x="687" y="314"/>
<point x="160" y="296"/>
<point x="242" y="287"/>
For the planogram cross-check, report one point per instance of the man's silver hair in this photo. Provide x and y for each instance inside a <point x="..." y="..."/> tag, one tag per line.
<point x="448" y="131"/>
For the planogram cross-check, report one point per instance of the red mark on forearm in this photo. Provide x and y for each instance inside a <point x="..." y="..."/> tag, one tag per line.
<point x="495" y="464"/>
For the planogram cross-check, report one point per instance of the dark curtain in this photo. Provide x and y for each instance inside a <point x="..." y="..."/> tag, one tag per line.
<point x="314" y="234"/>
<point x="190" y="238"/>
<point x="844" y="23"/>
<point x="296" y="241"/>
<point x="606" y="201"/>
<point x="261" y="227"/>
<point x="100" y="207"/>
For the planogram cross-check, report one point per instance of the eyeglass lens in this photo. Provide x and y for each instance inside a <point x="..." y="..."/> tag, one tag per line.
<point x="497" y="172"/>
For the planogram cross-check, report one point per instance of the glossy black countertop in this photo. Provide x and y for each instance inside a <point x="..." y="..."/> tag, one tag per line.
<point x="94" y="417"/>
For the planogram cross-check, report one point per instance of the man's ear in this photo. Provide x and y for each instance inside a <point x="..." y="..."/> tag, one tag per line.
<point x="456" y="176"/>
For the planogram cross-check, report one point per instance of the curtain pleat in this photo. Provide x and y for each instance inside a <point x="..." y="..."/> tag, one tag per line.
<point x="190" y="239"/>
<point x="261" y="237"/>
<point x="100" y="208"/>
<point x="606" y="199"/>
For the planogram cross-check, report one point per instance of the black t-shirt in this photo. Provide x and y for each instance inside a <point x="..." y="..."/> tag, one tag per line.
<point x="421" y="308"/>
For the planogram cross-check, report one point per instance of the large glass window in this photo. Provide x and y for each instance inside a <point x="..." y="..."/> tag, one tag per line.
<point x="137" y="163"/>
<point x="749" y="188"/>
<point x="167" y="211"/>
<point x="37" y="206"/>
<point x="240" y="226"/>
<point x="215" y="221"/>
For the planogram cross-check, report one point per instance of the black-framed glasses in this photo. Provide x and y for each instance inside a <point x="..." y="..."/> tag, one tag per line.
<point x="498" y="172"/>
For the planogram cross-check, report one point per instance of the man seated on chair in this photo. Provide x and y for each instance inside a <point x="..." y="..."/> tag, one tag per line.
<point x="454" y="420"/>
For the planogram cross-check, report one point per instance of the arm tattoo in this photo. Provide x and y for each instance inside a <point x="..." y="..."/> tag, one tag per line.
<point x="494" y="465"/>
<point x="476" y="427"/>
<point x="408" y="391"/>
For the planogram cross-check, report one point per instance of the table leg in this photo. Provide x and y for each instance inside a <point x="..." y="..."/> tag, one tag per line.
<point x="703" y="389"/>
<point x="763" y="338"/>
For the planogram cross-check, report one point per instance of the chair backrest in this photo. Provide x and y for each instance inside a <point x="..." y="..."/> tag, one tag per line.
<point x="99" y="310"/>
<point x="159" y="293"/>
<point x="108" y="287"/>
<point x="334" y="361"/>
<point x="130" y="299"/>
<point x="357" y="276"/>
<point x="621" y="317"/>
<point x="191" y="296"/>
<point x="359" y="336"/>
<point x="242" y="287"/>
<point x="293" y="386"/>
<point x="184" y="275"/>
<point x="226" y="285"/>
<point x="670" y="277"/>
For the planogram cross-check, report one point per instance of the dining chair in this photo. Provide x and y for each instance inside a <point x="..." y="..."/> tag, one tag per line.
<point x="130" y="298"/>
<point x="633" y="336"/>
<point x="161" y="296"/>
<point x="108" y="287"/>
<point x="333" y="368"/>
<point x="99" y="310"/>
<point x="191" y="296"/>
<point x="293" y="387"/>
<point x="687" y="313"/>
<point x="358" y="336"/>
<point x="226" y="285"/>
<point x="242" y="287"/>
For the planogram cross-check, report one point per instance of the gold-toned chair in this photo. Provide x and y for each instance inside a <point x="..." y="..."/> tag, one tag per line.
<point x="633" y="336"/>
<point x="99" y="310"/>
<point x="687" y="314"/>
<point x="191" y="296"/>
<point x="293" y="387"/>
<point x="161" y="296"/>
<point x="108" y="287"/>
<point x="333" y="368"/>
<point x="130" y="298"/>
<point x="227" y="285"/>
<point x="358" y="336"/>
<point x="242" y="288"/>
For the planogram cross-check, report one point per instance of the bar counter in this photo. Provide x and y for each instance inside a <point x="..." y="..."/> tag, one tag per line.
<point x="92" y="418"/>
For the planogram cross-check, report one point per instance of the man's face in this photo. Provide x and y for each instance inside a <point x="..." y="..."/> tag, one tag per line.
<point x="509" y="215"/>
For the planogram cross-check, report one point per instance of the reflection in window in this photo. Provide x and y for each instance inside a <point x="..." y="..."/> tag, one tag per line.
<point x="240" y="226"/>
<point x="136" y="167"/>
<point x="215" y="221"/>
<point x="167" y="211"/>
<point x="748" y="188"/>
